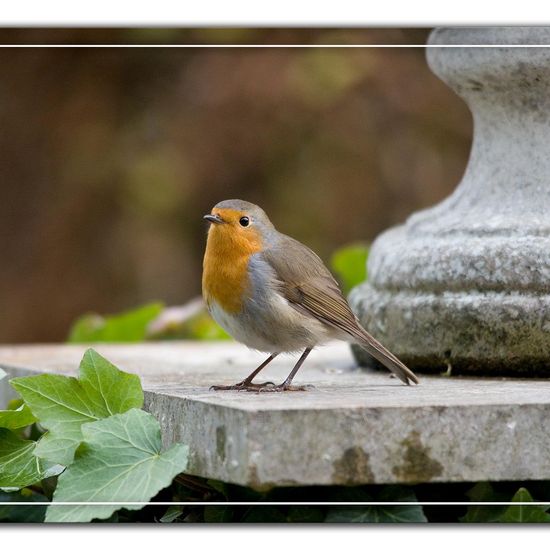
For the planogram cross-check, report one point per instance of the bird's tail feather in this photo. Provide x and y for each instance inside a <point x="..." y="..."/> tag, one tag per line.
<point x="388" y="359"/>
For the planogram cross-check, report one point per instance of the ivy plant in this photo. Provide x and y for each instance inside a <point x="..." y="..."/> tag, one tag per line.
<point x="91" y="437"/>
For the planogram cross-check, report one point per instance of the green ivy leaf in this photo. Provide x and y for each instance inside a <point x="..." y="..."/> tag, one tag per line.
<point x="129" y="326"/>
<point x="376" y="514"/>
<point x="18" y="465"/>
<point x="63" y="404"/>
<point x="350" y="265"/>
<point x="17" y="418"/>
<point x="381" y="514"/>
<point x="524" y="514"/>
<point x="483" y="492"/>
<point x="119" y="461"/>
<point x="172" y="514"/>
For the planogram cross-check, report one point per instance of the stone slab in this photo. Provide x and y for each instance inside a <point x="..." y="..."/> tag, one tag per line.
<point x="356" y="426"/>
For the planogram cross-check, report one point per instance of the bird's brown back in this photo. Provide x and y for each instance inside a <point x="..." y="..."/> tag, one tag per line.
<point x="308" y="285"/>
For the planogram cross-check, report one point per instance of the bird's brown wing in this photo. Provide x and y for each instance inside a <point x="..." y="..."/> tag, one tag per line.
<point x="309" y="286"/>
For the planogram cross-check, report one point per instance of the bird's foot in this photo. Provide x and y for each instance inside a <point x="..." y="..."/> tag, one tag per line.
<point x="285" y="387"/>
<point x="243" y="386"/>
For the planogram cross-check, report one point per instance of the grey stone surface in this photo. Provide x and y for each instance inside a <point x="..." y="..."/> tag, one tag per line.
<point x="354" y="427"/>
<point x="467" y="282"/>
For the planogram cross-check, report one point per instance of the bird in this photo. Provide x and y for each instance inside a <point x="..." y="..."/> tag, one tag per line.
<point x="275" y="295"/>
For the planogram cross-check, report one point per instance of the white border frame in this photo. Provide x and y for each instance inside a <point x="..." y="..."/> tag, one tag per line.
<point x="236" y="46"/>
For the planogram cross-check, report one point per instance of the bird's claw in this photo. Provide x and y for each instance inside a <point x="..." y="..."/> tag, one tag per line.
<point x="265" y="387"/>
<point x="285" y="387"/>
<point x="243" y="386"/>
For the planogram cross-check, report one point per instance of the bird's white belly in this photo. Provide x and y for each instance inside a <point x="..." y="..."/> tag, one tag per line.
<point x="234" y="326"/>
<point x="273" y="327"/>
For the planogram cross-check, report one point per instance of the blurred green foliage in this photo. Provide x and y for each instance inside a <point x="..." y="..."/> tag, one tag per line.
<point x="350" y="265"/>
<point x="149" y="322"/>
<point x="199" y="326"/>
<point x="129" y="326"/>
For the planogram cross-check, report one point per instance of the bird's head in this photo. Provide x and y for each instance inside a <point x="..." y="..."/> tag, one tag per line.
<point x="241" y="224"/>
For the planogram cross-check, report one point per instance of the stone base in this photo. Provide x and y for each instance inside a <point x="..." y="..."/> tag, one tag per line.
<point x="487" y="333"/>
<point x="434" y="364"/>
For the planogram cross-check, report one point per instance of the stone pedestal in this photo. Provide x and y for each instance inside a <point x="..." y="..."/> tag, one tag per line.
<point x="466" y="283"/>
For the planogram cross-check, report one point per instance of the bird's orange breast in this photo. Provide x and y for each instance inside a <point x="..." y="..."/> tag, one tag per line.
<point x="225" y="278"/>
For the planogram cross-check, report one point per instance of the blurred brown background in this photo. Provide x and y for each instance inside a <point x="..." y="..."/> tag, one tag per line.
<point x="110" y="157"/>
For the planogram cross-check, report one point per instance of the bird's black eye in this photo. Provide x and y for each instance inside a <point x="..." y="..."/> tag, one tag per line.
<point x="244" y="221"/>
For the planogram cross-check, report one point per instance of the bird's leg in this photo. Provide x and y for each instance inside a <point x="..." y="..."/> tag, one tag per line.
<point x="286" y="385"/>
<point x="247" y="382"/>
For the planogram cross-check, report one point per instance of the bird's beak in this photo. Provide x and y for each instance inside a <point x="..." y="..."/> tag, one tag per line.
<point x="213" y="218"/>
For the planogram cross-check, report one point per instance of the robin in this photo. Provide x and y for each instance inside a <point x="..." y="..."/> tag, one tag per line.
<point x="275" y="295"/>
